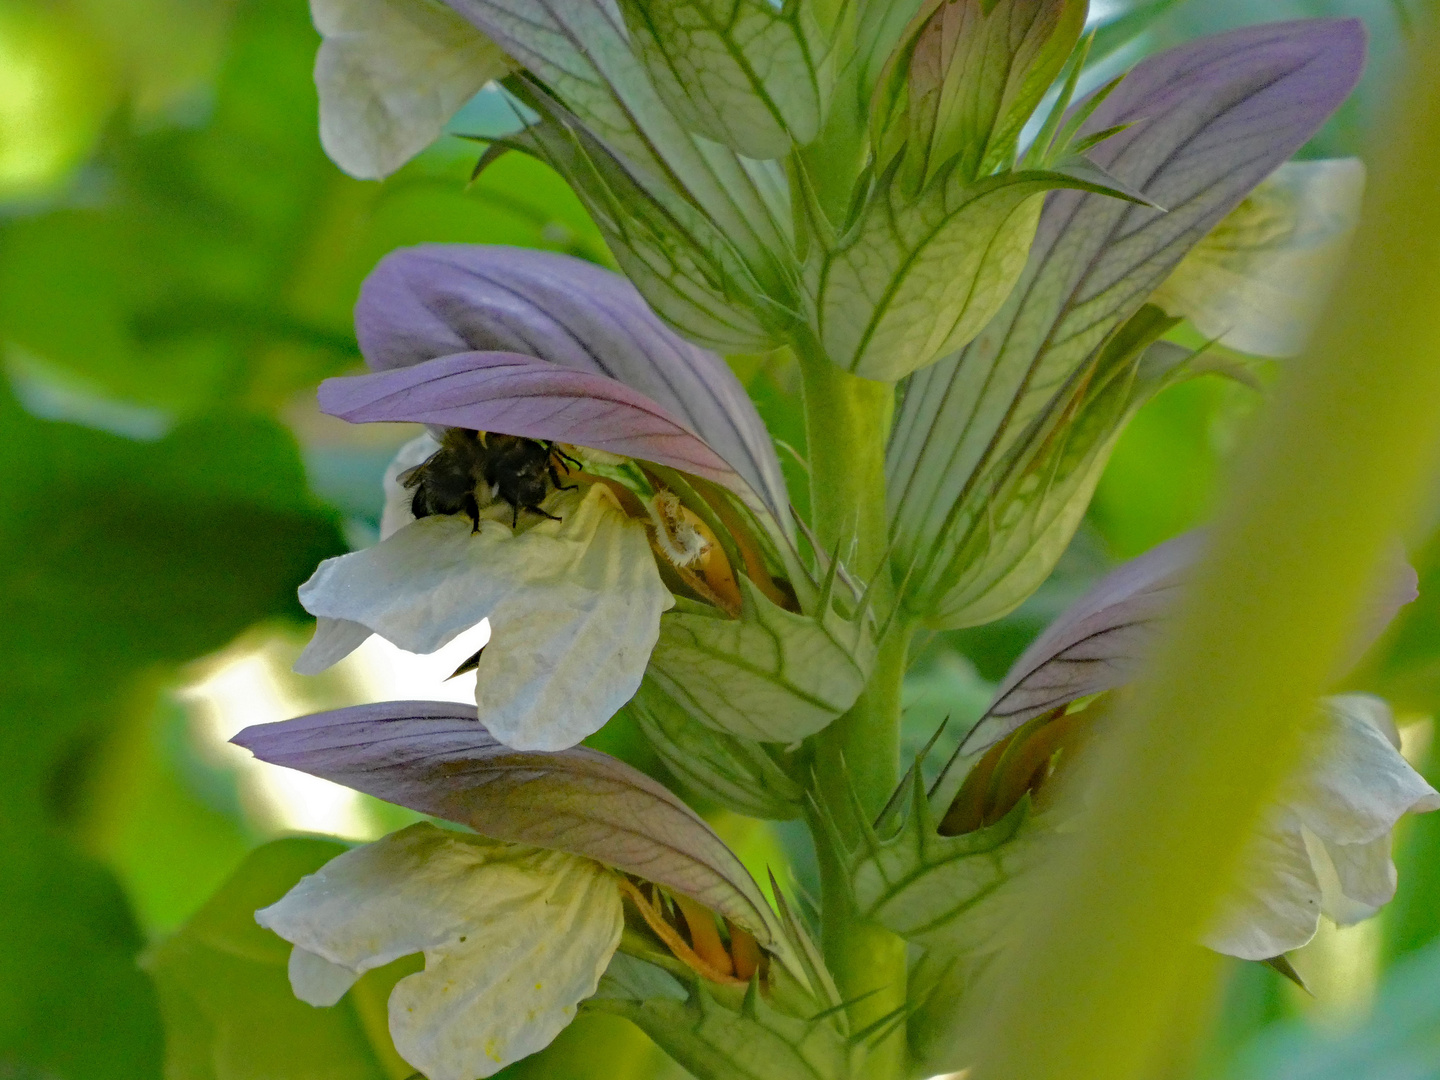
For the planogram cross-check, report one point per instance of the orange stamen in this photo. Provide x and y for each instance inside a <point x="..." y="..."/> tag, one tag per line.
<point x="672" y="939"/>
<point x="967" y="812"/>
<point x="702" y="586"/>
<point x="744" y="951"/>
<point x="1018" y="763"/>
<point x="754" y="563"/>
<point x="704" y="934"/>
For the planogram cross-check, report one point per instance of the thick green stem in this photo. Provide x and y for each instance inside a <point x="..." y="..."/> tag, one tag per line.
<point x="847" y="420"/>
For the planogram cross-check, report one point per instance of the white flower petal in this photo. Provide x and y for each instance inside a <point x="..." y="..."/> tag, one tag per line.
<point x="564" y="658"/>
<point x="1259" y="280"/>
<point x="334" y="640"/>
<point x="1275" y="905"/>
<point x="391" y="74"/>
<point x="514" y="938"/>
<point x="315" y="980"/>
<point x="574" y="608"/>
<point x="1357" y="785"/>
<point x="435" y="577"/>
<point x="1325" y="847"/>
<point x="1356" y="880"/>
<point x="396" y="514"/>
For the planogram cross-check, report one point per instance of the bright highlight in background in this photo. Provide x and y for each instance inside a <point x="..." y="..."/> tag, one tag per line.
<point x="54" y="94"/>
<point x="255" y="685"/>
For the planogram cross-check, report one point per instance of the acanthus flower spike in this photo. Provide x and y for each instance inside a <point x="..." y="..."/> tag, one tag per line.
<point x="575" y="575"/>
<point x="998" y="447"/>
<point x="567" y="316"/>
<point x="517" y="924"/>
<point x="945" y="876"/>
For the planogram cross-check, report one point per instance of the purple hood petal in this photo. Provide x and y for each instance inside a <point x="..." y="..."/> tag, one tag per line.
<point x="1209" y="120"/>
<point x="436" y="757"/>
<point x="1101" y="641"/>
<point x="520" y="395"/>
<point x="441" y="299"/>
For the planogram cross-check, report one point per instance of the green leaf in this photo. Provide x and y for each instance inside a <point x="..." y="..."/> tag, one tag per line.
<point x="770" y="675"/>
<point x="745" y="73"/>
<point x="53" y="126"/>
<point x="740" y="774"/>
<point x="188" y="259"/>
<point x="183" y="542"/>
<point x="916" y="280"/>
<point x="109" y="266"/>
<point x="118" y="559"/>
<point x="225" y="993"/>
<point x="74" y="1003"/>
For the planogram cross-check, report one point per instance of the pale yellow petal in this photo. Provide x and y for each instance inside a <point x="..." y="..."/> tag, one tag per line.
<point x="1259" y="281"/>
<point x="514" y="938"/>
<point x="574" y="608"/>
<point x="391" y="74"/>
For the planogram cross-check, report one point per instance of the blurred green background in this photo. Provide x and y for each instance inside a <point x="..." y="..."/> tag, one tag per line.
<point x="178" y="262"/>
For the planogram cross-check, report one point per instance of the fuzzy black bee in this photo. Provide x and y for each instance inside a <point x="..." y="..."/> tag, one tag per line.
<point x="520" y="471"/>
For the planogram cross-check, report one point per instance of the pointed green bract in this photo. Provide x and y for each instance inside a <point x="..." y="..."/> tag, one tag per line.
<point x="580" y="52"/>
<point x="950" y="896"/>
<point x="916" y="279"/>
<point x="738" y="773"/>
<point x="769" y="675"/>
<point x="745" y="73"/>
<point x="687" y="269"/>
<point x="960" y="88"/>
<point x="718" y="1034"/>
<point x="986" y="478"/>
<point x="922" y="885"/>
<point x="1003" y="536"/>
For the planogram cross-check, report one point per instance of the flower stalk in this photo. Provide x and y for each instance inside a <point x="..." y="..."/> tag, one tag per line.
<point x="857" y="758"/>
<point x="856" y="766"/>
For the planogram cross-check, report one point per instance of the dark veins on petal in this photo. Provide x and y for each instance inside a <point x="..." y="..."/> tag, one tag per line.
<point x="1209" y="120"/>
<point x="520" y="395"/>
<point x="1095" y="645"/>
<point x="436" y="758"/>
<point x="1101" y="641"/>
<point x="440" y="299"/>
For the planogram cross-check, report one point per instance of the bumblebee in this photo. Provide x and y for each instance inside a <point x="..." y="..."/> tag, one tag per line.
<point x="520" y="471"/>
